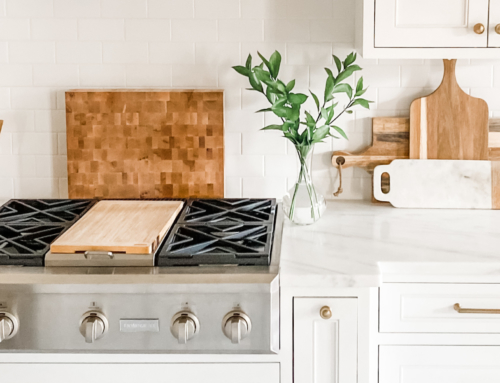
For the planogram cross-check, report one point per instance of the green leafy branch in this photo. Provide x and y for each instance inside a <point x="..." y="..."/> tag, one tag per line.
<point x="285" y="104"/>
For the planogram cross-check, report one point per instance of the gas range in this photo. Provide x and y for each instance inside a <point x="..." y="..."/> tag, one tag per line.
<point x="214" y="287"/>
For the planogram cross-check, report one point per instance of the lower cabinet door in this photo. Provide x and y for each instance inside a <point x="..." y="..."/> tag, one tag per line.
<point x="325" y="340"/>
<point x="137" y="373"/>
<point x="439" y="364"/>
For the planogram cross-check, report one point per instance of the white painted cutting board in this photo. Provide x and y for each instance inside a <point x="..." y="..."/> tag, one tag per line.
<point x="444" y="184"/>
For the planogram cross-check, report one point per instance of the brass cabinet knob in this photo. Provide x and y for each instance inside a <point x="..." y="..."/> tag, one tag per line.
<point x="479" y="29"/>
<point x="325" y="312"/>
<point x="497" y="29"/>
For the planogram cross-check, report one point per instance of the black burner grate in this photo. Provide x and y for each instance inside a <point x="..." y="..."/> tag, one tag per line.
<point x="221" y="232"/>
<point x="28" y="227"/>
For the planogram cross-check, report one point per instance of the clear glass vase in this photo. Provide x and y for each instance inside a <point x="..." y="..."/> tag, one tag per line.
<point x="302" y="205"/>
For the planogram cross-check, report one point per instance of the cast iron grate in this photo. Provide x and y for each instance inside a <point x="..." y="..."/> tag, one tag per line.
<point x="236" y="232"/>
<point x="28" y="227"/>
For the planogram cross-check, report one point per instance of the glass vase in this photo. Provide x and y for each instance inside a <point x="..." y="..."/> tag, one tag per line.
<point x="302" y="205"/>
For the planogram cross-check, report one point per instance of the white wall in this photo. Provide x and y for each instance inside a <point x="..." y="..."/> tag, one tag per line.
<point x="49" y="46"/>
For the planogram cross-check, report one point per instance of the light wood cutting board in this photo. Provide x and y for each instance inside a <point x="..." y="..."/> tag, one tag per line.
<point x="131" y="227"/>
<point x="449" y="124"/>
<point x="440" y="184"/>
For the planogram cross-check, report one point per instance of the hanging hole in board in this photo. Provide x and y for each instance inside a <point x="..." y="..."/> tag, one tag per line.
<point x="340" y="160"/>
<point x="385" y="183"/>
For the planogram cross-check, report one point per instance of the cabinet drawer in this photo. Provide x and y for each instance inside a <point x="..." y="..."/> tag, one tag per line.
<point x="429" y="308"/>
<point x="438" y="364"/>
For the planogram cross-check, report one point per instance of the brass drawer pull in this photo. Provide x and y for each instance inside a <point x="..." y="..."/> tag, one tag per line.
<point x="479" y="29"/>
<point x="460" y="310"/>
<point x="325" y="312"/>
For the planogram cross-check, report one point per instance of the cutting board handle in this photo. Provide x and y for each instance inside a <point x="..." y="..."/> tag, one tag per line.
<point x="377" y="183"/>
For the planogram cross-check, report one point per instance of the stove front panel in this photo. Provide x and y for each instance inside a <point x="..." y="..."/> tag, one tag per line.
<point x="138" y="321"/>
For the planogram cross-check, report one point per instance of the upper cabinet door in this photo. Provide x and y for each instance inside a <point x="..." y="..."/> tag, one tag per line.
<point x="494" y="36"/>
<point x="431" y="23"/>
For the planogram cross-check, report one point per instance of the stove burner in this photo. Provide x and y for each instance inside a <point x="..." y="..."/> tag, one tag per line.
<point x="28" y="227"/>
<point x="235" y="232"/>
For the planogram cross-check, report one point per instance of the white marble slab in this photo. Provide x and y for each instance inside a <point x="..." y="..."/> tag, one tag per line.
<point x="436" y="184"/>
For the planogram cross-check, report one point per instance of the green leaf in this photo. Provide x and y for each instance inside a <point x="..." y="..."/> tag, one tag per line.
<point x="264" y="110"/>
<point x="263" y="75"/>
<point x="286" y="112"/>
<point x="349" y="60"/>
<point x="343" y="88"/>
<point x="281" y="101"/>
<point x="310" y="121"/>
<point x="249" y="62"/>
<point x="264" y="60"/>
<point x="348" y="111"/>
<point x="242" y="70"/>
<point x="361" y="92"/>
<point x="324" y="114"/>
<point x="275" y="62"/>
<point x="290" y="86"/>
<point x="330" y="83"/>
<point x="347" y="73"/>
<point x="273" y="127"/>
<point x="361" y="101"/>
<point x="331" y="113"/>
<point x="321" y="133"/>
<point x="271" y="95"/>
<point x="297" y="98"/>
<point x="338" y="63"/>
<point x="315" y="99"/>
<point x="359" y="87"/>
<point x="329" y="72"/>
<point x="281" y="87"/>
<point x="254" y="81"/>
<point x="340" y="131"/>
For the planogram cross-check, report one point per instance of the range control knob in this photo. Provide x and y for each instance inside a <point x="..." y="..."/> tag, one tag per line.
<point x="8" y="326"/>
<point x="185" y="325"/>
<point x="93" y="326"/>
<point x="236" y="325"/>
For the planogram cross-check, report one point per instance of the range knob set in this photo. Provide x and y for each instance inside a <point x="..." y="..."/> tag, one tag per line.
<point x="93" y="326"/>
<point x="185" y="325"/>
<point x="236" y="325"/>
<point x="9" y="325"/>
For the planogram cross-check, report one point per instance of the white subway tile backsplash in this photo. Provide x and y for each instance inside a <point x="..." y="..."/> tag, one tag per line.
<point x="4" y="52"/>
<point x="79" y="52"/>
<point x="54" y="29"/>
<point x="194" y="30"/>
<point x="4" y="98"/>
<point x="216" y="9"/>
<point x="171" y="9"/>
<point x="477" y="76"/>
<point x="217" y="54"/>
<point x="149" y="75"/>
<point x="62" y="146"/>
<point x="171" y="53"/>
<point x="124" y="8"/>
<point x="30" y="8"/>
<point x="2" y="8"/>
<point x="147" y="30"/>
<point x="77" y="8"/>
<point x="33" y="98"/>
<point x="421" y="76"/>
<point x="265" y="48"/>
<point x="34" y="143"/>
<point x="244" y="166"/>
<point x="232" y="99"/>
<point x="31" y="52"/>
<point x="309" y="54"/>
<point x="400" y="98"/>
<point x="15" y="29"/>
<point x="276" y="165"/>
<point x="263" y="9"/>
<point x="16" y="75"/>
<point x="490" y="95"/>
<point x="36" y="188"/>
<point x="55" y="75"/>
<point x="101" y="29"/>
<point x="325" y="30"/>
<point x="380" y="76"/>
<point x="240" y="30"/>
<point x="103" y="75"/>
<point x="194" y="76"/>
<point x="232" y="186"/>
<point x="232" y="143"/>
<point x="50" y="121"/>
<point x="5" y="143"/>
<point x="51" y="166"/>
<point x="311" y="9"/>
<point x="6" y="188"/>
<point x="264" y="187"/>
<point x="17" y="120"/>
<point x="17" y="166"/>
<point x="241" y="121"/>
<point x="259" y="142"/>
<point x="287" y="30"/>
<point x="125" y="53"/>
<point x="63" y="188"/>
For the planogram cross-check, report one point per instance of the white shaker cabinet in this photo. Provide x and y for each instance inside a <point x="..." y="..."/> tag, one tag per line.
<point x="325" y="345"/>
<point x="428" y="28"/>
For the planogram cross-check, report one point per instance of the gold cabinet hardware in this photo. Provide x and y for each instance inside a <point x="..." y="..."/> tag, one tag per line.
<point x="479" y="29"/>
<point x="461" y="310"/>
<point x="497" y="29"/>
<point x="325" y="312"/>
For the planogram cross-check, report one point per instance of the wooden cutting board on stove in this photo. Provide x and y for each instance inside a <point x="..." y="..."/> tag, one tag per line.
<point x="449" y="124"/>
<point x="130" y="227"/>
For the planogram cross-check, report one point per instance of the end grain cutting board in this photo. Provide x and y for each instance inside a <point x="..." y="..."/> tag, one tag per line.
<point x="440" y="184"/>
<point x="449" y="124"/>
<point x="131" y="227"/>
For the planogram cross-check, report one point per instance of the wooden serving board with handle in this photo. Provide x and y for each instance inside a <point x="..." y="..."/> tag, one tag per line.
<point x="438" y="184"/>
<point x="449" y="124"/>
<point x="130" y="227"/>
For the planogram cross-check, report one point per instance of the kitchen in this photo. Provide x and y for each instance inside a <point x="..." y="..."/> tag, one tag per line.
<point x="369" y="292"/>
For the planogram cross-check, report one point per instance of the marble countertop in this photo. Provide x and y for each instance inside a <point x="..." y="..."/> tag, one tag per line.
<point x="357" y="243"/>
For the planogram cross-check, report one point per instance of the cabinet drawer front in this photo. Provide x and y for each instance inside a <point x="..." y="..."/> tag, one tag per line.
<point x="438" y="364"/>
<point x="134" y="373"/>
<point x="429" y="308"/>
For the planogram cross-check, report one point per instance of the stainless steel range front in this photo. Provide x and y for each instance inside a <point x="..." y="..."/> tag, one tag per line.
<point x="189" y="303"/>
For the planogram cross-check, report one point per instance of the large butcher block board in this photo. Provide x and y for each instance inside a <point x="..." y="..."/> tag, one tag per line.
<point x="142" y="144"/>
<point x="131" y="227"/>
<point x="440" y="184"/>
